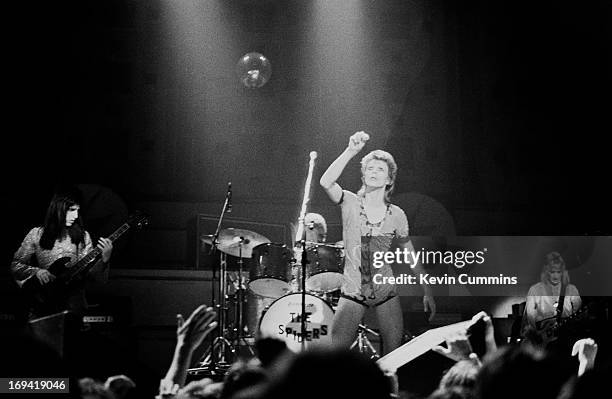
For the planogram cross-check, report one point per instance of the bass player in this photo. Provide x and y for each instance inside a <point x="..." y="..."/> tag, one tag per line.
<point x="61" y="236"/>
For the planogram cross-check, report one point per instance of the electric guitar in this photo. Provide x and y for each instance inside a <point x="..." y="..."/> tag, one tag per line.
<point x="69" y="275"/>
<point x="550" y="328"/>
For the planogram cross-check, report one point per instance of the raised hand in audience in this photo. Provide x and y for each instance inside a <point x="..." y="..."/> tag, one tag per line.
<point x="586" y="350"/>
<point x="189" y="335"/>
<point x="458" y="347"/>
<point x="490" y="344"/>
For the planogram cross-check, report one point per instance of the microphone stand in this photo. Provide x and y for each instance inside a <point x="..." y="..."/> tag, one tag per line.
<point x="301" y="238"/>
<point x="227" y="208"/>
<point x="221" y="307"/>
<point x="304" y="263"/>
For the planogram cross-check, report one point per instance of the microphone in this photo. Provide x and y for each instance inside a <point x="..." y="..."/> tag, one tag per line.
<point x="229" y="198"/>
<point x="313" y="155"/>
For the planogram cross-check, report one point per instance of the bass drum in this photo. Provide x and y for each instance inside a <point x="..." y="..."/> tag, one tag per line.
<point x="282" y="320"/>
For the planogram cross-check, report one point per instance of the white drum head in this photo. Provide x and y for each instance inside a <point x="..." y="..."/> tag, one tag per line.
<point x="269" y="287"/>
<point x="282" y="320"/>
<point x="324" y="282"/>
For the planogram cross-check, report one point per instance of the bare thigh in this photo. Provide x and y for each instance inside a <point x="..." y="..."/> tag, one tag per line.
<point x="391" y="322"/>
<point x="346" y="321"/>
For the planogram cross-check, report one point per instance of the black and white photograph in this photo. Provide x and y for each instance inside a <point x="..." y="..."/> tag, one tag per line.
<point x="261" y="199"/>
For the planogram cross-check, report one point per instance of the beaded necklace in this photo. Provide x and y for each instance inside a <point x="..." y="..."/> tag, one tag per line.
<point x="366" y="222"/>
<point x="366" y="270"/>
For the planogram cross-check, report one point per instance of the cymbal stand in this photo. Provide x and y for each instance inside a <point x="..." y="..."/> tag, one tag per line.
<point x="362" y="342"/>
<point x="216" y="356"/>
<point x="239" y="328"/>
<point x="211" y="360"/>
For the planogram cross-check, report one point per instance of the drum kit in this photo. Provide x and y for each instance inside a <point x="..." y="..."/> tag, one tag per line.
<point x="263" y="298"/>
<point x="299" y="285"/>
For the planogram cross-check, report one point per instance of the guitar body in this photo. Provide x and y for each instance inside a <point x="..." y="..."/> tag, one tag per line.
<point x="551" y="329"/>
<point x="547" y="330"/>
<point x="69" y="275"/>
<point x="53" y="296"/>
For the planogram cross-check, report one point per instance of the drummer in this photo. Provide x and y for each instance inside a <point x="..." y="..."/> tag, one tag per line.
<point x="316" y="228"/>
<point x="315" y="231"/>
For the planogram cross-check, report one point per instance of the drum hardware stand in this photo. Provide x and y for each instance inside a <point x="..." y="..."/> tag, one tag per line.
<point x="362" y="342"/>
<point x="216" y="354"/>
<point x="213" y="364"/>
<point x="239" y="328"/>
<point x="215" y="357"/>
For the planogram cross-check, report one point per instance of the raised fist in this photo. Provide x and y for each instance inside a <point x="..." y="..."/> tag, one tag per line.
<point x="358" y="141"/>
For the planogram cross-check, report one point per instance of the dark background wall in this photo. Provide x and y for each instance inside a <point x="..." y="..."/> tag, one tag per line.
<point x="496" y="111"/>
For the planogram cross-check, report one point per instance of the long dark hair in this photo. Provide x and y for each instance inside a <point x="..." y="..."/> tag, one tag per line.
<point x="55" y="220"/>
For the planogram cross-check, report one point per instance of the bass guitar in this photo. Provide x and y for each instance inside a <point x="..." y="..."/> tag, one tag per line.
<point x="69" y="274"/>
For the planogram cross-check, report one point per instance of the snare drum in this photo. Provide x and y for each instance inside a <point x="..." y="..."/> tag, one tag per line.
<point x="281" y="320"/>
<point x="325" y="268"/>
<point x="270" y="270"/>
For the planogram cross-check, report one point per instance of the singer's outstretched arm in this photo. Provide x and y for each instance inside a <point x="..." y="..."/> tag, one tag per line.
<point x="328" y="180"/>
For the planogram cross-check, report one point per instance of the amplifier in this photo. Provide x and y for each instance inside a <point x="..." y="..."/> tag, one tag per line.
<point x="108" y="312"/>
<point x="99" y="319"/>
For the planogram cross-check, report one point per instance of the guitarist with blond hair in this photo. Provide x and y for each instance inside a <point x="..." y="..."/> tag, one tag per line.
<point x="549" y="301"/>
<point x="62" y="236"/>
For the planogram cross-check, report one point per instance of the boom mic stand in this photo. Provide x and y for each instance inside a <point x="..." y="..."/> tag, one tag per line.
<point x="304" y="263"/>
<point x="210" y="362"/>
<point x="301" y="238"/>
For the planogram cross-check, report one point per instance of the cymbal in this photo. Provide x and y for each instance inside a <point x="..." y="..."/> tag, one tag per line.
<point x="206" y="238"/>
<point x="230" y="240"/>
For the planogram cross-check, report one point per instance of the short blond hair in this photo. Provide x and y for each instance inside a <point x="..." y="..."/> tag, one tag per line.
<point x="380" y="155"/>
<point x="317" y="220"/>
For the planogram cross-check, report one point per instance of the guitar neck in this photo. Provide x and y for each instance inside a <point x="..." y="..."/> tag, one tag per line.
<point x="80" y="265"/>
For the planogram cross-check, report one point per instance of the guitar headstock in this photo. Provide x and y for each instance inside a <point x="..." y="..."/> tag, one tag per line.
<point x="138" y="220"/>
